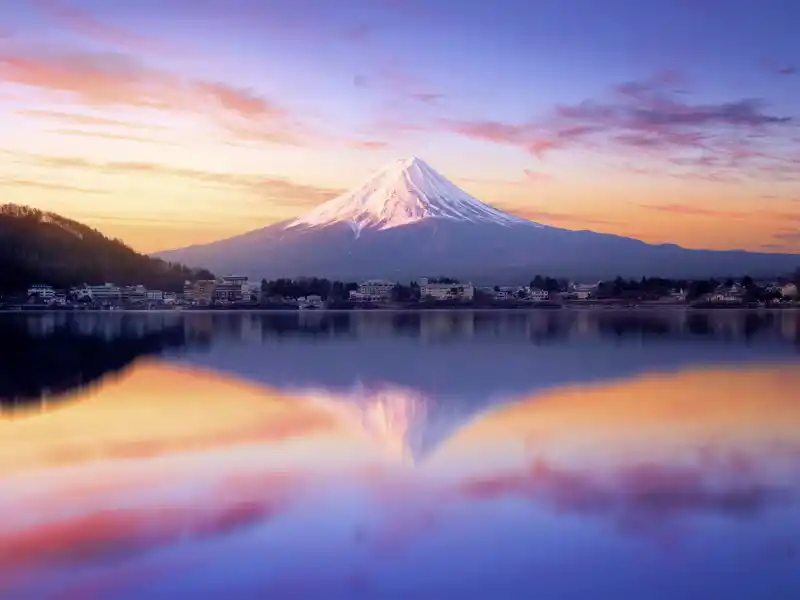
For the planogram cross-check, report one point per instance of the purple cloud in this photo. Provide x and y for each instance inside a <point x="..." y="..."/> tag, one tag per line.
<point x="657" y="118"/>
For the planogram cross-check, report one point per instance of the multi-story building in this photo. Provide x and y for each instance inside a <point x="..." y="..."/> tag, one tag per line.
<point x="156" y="296"/>
<point x="200" y="292"/>
<point x="374" y="290"/>
<point x="108" y="293"/>
<point x="43" y="292"/>
<point x="134" y="294"/>
<point x="445" y="291"/>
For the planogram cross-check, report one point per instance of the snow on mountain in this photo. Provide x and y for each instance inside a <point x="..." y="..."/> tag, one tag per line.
<point x="408" y="221"/>
<point x="403" y="192"/>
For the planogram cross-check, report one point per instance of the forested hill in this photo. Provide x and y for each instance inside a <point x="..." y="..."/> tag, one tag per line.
<point x="42" y="247"/>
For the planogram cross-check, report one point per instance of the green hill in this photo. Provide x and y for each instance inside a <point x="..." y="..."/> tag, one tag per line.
<point x="43" y="247"/>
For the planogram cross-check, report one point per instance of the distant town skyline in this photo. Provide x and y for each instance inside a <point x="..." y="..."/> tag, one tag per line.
<point x="167" y="123"/>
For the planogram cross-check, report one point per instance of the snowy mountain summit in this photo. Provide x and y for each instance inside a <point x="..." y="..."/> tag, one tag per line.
<point x="403" y="192"/>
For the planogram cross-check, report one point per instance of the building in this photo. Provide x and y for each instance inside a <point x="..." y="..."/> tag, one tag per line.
<point x="310" y="301"/>
<point x="537" y="295"/>
<point x="374" y="290"/>
<point x="251" y="291"/>
<point x="445" y="291"/>
<point x="170" y="298"/>
<point x="156" y="296"/>
<point x="134" y="294"/>
<point x="200" y="292"/>
<point x="42" y="292"/>
<point x="108" y="293"/>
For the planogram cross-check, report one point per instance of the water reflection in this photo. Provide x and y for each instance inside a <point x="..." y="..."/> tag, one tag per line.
<point x="392" y="456"/>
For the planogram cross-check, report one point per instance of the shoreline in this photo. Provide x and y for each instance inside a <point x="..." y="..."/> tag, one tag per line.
<point x="407" y="310"/>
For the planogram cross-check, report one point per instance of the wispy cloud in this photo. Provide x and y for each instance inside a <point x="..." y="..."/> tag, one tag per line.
<point x="685" y="209"/>
<point x="103" y="80"/>
<point x="274" y="188"/>
<point x="655" y="118"/>
<point x="78" y="119"/>
<point x="111" y="136"/>
<point x="539" y="214"/>
<point x="46" y="185"/>
<point x="368" y="144"/>
<point x="86" y="24"/>
<point x="788" y="235"/>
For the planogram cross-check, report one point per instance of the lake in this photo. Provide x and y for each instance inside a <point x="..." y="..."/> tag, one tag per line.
<point x="375" y="455"/>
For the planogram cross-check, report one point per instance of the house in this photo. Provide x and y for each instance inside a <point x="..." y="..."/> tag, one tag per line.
<point x="582" y="291"/>
<point x="445" y="291"/>
<point x="374" y="290"/>
<point x="790" y="291"/>
<point x="42" y="292"/>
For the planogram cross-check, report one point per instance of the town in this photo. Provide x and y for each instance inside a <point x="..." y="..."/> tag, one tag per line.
<point x="239" y="292"/>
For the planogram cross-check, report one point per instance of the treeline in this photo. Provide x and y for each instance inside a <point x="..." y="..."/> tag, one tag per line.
<point x="326" y="289"/>
<point x="653" y="288"/>
<point x="39" y="247"/>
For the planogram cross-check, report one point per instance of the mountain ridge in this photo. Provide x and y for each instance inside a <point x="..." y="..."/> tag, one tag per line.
<point x="408" y="221"/>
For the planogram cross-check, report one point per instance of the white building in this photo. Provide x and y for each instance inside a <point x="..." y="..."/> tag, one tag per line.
<point x="155" y="296"/>
<point x="43" y="292"/>
<point x="445" y="291"/>
<point x="106" y="293"/>
<point x="374" y="290"/>
<point x="538" y="295"/>
<point x="251" y="291"/>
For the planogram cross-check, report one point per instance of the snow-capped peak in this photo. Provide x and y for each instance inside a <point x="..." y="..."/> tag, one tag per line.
<point x="403" y="192"/>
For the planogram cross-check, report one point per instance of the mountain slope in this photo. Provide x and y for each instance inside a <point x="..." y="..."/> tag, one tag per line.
<point x="408" y="221"/>
<point x="40" y="247"/>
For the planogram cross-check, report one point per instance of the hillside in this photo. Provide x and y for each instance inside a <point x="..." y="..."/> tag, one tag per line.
<point x="41" y="247"/>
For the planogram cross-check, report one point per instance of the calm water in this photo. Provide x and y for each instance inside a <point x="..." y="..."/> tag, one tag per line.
<point x="558" y="455"/>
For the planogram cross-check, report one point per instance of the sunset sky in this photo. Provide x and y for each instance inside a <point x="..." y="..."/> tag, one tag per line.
<point x="172" y="122"/>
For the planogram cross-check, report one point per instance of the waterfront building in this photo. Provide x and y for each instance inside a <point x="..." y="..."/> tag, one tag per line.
<point x="43" y="292"/>
<point x="445" y="291"/>
<point x="373" y="290"/>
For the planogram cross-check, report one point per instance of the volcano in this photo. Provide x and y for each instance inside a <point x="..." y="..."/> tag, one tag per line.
<point x="408" y="221"/>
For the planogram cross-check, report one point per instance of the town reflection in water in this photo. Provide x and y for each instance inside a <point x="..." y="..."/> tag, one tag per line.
<point x="450" y="455"/>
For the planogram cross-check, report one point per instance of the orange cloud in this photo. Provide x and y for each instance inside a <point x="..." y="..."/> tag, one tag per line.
<point x="559" y="217"/>
<point x="111" y="136"/>
<point x="685" y="209"/>
<point x="77" y="119"/>
<point x="241" y="101"/>
<point x="45" y="185"/>
<point x="271" y="187"/>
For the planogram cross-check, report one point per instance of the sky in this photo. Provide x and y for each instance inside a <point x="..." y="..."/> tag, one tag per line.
<point x="174" y="122"/>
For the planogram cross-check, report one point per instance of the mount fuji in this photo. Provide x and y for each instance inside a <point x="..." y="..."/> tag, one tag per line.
<point x="408" y="221"/>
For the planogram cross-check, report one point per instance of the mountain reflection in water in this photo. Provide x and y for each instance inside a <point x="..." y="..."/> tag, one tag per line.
<point x="399" y="456"/>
